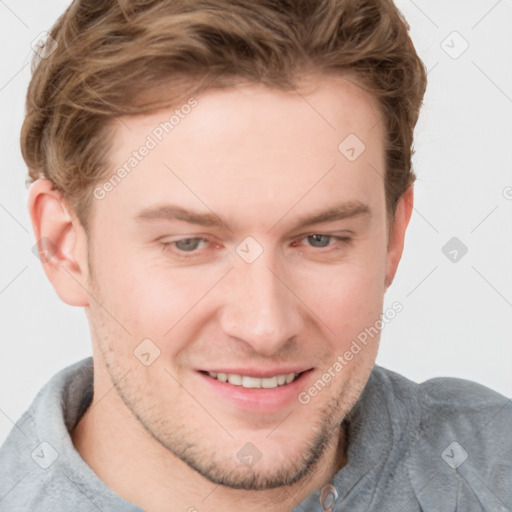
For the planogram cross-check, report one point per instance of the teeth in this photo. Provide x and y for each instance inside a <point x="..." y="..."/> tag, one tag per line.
<point x="254" y="382"/>
<point x="250" y="382"/>
<point x="289" y="378"/>
<point x="235" y="379"/>
<point x="269" y="382"/>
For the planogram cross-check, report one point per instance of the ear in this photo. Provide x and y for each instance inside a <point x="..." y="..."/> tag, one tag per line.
<point x="61" y="241"/>
<point x="397" y="233"/>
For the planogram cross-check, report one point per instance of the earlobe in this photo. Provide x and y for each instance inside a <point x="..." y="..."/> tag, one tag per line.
<point x="397" y="234"/>
<point x="61" y="241"/>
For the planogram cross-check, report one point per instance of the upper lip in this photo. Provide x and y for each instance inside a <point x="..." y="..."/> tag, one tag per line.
<point x="258" y="372"/>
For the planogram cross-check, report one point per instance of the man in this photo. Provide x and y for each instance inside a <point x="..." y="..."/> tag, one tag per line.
<point x="225" y="188"/>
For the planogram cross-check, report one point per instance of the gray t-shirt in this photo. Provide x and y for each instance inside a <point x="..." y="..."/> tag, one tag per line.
<point x="444" y="445"/>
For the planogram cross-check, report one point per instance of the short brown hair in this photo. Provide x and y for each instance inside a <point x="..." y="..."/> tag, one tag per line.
<point x="113" y="56"/>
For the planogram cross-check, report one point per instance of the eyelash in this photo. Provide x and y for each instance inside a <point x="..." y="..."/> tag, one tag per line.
<point x="170" y="246"/>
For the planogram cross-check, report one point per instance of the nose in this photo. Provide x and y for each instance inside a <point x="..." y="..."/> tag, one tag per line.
<point x="262" y="309"/>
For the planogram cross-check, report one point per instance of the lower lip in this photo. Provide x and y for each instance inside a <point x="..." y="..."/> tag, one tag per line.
<point x="260" y="400"/>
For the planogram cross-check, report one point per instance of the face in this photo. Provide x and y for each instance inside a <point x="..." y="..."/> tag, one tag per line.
<point x="244" y="241"/>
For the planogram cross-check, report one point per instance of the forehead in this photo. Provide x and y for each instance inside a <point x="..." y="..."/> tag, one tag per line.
<point x="251" y="148"/>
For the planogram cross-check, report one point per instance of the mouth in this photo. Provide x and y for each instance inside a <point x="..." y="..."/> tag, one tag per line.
<point x="249" y="382"/>
<point x="259" y="395"/>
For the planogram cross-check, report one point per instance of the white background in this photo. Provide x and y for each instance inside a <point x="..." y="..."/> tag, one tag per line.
<point x="456" y="316"/>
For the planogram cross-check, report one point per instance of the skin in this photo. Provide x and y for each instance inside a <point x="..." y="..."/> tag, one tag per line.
<point x="260" y="160"/>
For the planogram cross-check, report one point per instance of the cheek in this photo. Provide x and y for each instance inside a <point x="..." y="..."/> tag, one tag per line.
<point x="151" y="299"/>
<point x="347" y="299"/>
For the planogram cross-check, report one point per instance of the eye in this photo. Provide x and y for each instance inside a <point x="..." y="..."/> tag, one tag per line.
<point x="320" y="240"/>
<point x="185" y="245"/>
<point x="188" y="244"/>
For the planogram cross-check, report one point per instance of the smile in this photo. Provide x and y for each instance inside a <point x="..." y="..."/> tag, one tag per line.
<point x="255" y="382"/>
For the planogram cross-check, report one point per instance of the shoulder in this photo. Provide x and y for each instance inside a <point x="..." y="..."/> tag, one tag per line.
<point x="459" y="441"/>
<point x="33" y="455"/>
<point x="446" y="399"/>
<point x="466" y="409"/>
<point x="40" y="469"/>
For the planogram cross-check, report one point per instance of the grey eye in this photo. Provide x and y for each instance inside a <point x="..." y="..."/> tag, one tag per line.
<point x="188" y="244"/>
<point x="319" y="240"/>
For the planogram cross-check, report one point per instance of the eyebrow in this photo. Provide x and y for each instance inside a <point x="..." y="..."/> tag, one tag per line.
<point x="169" y="212"/>
<point x="173" y="212"/>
